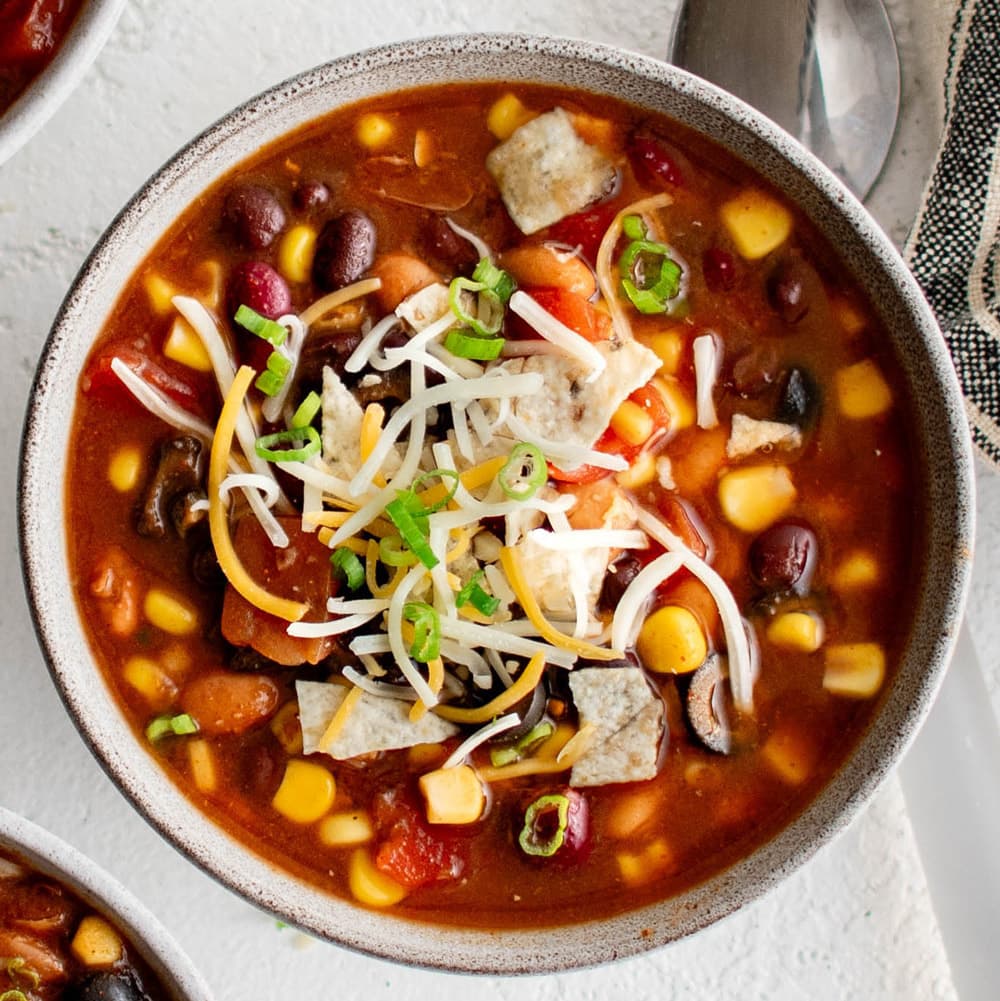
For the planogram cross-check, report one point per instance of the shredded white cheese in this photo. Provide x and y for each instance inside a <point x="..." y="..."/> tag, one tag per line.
<point x="500" y="725"/>
<point x="625" y="624"/>
<point x="707" y="360"/>
<point x="557" y="333"/>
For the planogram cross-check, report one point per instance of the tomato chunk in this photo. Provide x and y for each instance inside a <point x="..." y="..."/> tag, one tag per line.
<point x="571" y="309"/>
<point x="584" y="229"/>
<point x="99" y="379"/>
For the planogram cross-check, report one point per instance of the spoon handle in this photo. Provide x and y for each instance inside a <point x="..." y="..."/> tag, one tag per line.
<point x="951" y="784"/>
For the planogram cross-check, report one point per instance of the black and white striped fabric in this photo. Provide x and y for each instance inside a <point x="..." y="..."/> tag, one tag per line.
<point x="954" y="248"/>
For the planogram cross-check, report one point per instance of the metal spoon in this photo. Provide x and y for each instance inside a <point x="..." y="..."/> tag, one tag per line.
<point x="827" y="71"/>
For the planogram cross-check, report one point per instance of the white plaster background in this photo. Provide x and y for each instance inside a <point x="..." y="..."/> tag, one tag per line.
<point x="856" y="922"/>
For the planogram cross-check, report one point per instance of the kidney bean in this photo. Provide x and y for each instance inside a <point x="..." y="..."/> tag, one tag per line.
<point x="444" y="246"/>
<point x="259" y="286"/>
<point x="310" y="195"/>
<point x="784" y="557"/>
<point x="344" y="251"/>
<point x="787" y="291"/>
<point x="718" y="267"/>
<point x="254" y="215"/>
<point x="223" y="702"/>
<point x="653" y="160"/>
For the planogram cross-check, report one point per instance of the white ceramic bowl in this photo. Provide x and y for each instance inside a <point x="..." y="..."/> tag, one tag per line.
<point x="52" y="857"/>
<point x="941" y="436"/>
<point x="53" y="85"/>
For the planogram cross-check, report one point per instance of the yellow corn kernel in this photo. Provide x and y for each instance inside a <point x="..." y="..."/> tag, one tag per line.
<point x="214" y="274"/>
<point x="642" y="471"/>
<point x="631" y="423"/>
<point x="633" y="811"/>
<point x="374" y="130"/>
<point x="855" y="670"/>
<point x="285" y="726"/>
<point x="184" y="346"/>
<point x="296" y="252"/>
<point x="160" y="293"/>
<point x="423" y="148"/>
<point x="452" y="795"/>
<point x="506" y="115"/>
<point x="754" y="497"/>
<point x="641" y="867"/>
<point x="125" y="468"/>
<point x="801" y="631"/>
<point x="370" y="885"/>
<point x="306" y="793"/>
<point x="201" y="760"/>
<point x="96" y="943"/>
<point x="169" y="613"/>
<point x="422" y="757"/>
<point x="668" y="346"/>
<point x="149" y="680"/>
<point x="850" y="318"/>
<point x="756" y="222"/>
<point x="789" y="755"/>
<point x="859" y="569"/>
<point x="671" y="641"/>
<point x="702" y="776"/>
<point x="862" y="390"/>
<point x="346" y="829"/>
<point x="678" y="402"/>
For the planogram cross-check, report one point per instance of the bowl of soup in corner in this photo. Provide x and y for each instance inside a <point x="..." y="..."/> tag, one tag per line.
<point x="516" y="504"/>
<point x="69" y="931"/>
<point x="46" y="46"/>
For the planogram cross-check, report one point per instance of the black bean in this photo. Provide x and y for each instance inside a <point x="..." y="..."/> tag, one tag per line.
<point x="784" y="557"/>
<point x="259" y="286"/>
<point x="800" y="399"/>
<point x="106" y="987"/>
<point x="254" y="215"/>
<point x="444" y="246"/>
<point x="620" y="574"/>
<point x="344" y="251"/>
<point x="310" y="195"/>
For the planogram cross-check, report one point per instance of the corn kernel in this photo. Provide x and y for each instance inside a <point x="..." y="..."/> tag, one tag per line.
<point x="285" y="726"/>
<point x="633" y="811"/>
<point x="369" y="884"/>
<point x="346" y="829"/>
<point x="169" y="613"/>
<point x="668" y="346"/>
<point x="201" y="760"/>
<point x="214" y="274"/>
<point x="859" y="569"/>
<point x="801" y="631"/>
<point x="452" y="795"/>
<point x="96" y="943"/>
<point x="850" y="318"/>
<point x="862" y="391"/>
<point x="631" y="423"/>
<point x="422" y="757"/>
<point x="789" y="755"/>
<point x="374" y="130"/>
<point x="855" y="670"/>
<point x="644" y="470"/>
<point x="296" y="252"/>
<point x="641" y="867"/>
<point x="307" y="791"/>
<point x="184" y="346"/>
<point x="506" y="115"/>
<point x="671" y="641"/>
<point x="149" y="680"/>
<point x="678" y="402"/>
<point x="160" y="292"/>
<point x="754" y="497"/>
<point x="125" y="468"/>
<point x="423" y="148"/>
<point x="756" y="222"/>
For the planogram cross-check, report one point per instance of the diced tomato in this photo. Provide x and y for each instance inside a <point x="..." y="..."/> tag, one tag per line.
<point x="100" y="379"/>
<point x="652" y="402"/>
<point x="408" y="852"/>
<point x="300" y="572"/>
<point x="610" y="443"/>
<point x="577" y="313"/>
<point x="584" y="229"/>
<point x="683" y="523"/>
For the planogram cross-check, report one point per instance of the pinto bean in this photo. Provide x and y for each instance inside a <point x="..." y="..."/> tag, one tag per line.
<point x="402" y="275"/>
<point x="540" y="265"/>
<point x="223" y="702"/>
<point x="345" y="250"/>
<point x="114" y="582"/>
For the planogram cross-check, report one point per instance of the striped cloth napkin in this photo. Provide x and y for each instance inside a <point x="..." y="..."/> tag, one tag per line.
<point x="954" y="247"/>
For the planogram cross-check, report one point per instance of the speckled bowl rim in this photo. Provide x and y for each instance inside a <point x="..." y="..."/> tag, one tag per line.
<point x="43" y="96"/>
<point x="53" y="857"/>
<point x="942" y="435"/>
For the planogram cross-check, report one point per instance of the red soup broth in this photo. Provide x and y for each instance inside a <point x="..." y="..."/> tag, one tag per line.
<point x="788" y="489"/>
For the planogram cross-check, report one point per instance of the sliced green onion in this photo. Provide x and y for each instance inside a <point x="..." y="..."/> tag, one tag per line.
<point x="524" y="472"/>
<point x="265" y="445"/>
<point x="508" y="754"/>
<point x="165" y="726"/>
<point x="270" y="330"/>
<point x="307" y="410"/>
<point x="426" y="630"/>
<point x="13" y="995"/>
<point x="464" y="345"/>
<point x="472" y="594"/>
<point x="18" y="971"/>
<point x="273" y="378"/>
<point x="649" y="295"/>
<point x="393" y="553"/>
<point x="496" y="279"/>
<point x="634" y="227"/>
<point x="488" y="318"/>
<point x="348" y="568"/>
<point x="538" y="837"/>
<point x="441" y="474"/>
<point x="413" y="537"/>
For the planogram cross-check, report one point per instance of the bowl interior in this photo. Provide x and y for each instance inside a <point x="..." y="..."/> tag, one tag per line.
<point x="941" y="439"/>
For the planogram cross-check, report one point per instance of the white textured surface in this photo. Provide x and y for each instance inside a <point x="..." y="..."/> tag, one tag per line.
<point x="856" y="922"/>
